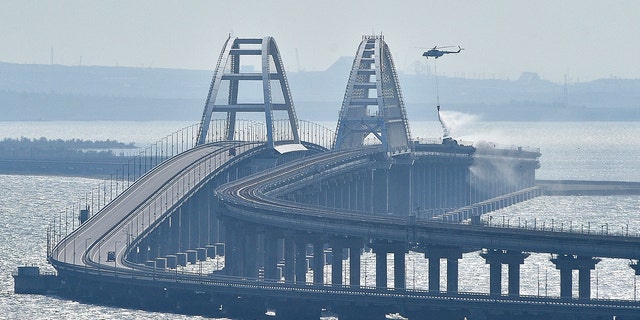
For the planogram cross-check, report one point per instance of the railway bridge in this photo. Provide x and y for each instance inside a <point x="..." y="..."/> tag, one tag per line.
<point x="262" y="219"/>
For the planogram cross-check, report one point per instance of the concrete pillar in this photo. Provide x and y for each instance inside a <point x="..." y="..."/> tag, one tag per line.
<point x="250" y="252"/>
<point x="452" y="275"/>
<point x="566" y="264"/>
<point x="192" y="216"/>
<point x="514" y="279"/>
<point x="399" y="189"/>
<point x="379" y="191"/>
<point x="336" y="264"/>
<point x="234" y="245"/>
<point x="434" y="254"/>
<point x="289" y="260"/>
<point x="584" y="281"/>
<point x="381" y="269"/>
<point x="204" y="217"/>
<point x="301" y="261"/>
<point x="318" y="263"/>
<point x="434" y="274"/>
<point x="496" y="258"/>
<point x="399" y="275"/>
<point x="354" y="266"/>
<point x="271" y="257"/>
<point x="381" y="248"/>
<point x="566" y="283"/>
<point x="183" y="222"/>
<point x="174" y="243"/>
<point x="495" y="278"/>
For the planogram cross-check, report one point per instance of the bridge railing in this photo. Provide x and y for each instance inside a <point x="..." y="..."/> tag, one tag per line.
<point x="562" y="225"/>
<point x="175" y="143"/>
<point x="256" y="131"/>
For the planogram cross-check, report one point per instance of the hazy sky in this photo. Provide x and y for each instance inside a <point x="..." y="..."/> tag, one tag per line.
<point x="582" y="39"/>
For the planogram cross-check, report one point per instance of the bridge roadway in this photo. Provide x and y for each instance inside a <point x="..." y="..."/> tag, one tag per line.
<point x="138" y="209"/>
<point x="256" y="199"/>
<point x="140" y="206"/>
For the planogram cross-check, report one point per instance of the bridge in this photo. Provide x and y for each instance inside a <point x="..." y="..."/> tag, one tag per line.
<point x="257" y="218"/>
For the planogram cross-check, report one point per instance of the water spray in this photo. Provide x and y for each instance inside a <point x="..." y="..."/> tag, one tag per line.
<point x="446" y="132"/>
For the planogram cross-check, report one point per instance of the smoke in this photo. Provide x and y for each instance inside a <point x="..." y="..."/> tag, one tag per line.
<point x="452" y="121"/>
<point x="493" y="165"/>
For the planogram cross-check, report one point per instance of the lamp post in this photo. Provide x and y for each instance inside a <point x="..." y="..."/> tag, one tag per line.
<point x="538" y="266"/>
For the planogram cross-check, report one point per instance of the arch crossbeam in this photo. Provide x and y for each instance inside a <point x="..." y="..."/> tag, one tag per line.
<point x="373" y="105"/>
<point x="229" y="78"/>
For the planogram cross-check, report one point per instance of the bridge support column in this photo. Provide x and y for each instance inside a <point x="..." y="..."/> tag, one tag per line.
<point x="289" y="259"/>
<point x="496" y="258"/>
<point x="183" y="221"/>
<point x="174" y="220"/>
<point x="452" y="254"/>
<point x="399" y="269"/>
<point x="336" y="264"/>
<point x="204" y="232"/>
<point x="233" y="241"/>
<point x="318" y="263"/>
<point x="301" y="261"/>
<point x="354" y="265"/>
<point x="381" y="268"/>
<point x="452" y="274"/>
<point x="271" y="257"/>
<point x="380" y="192"/>
<point x="566" y="264"/>
<point x="250" y="252"/>
<point x="381" y="248"/>
<point x="400" y="183"/>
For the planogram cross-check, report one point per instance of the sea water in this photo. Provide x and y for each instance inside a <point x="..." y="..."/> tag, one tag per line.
<point x="578" y="151"/>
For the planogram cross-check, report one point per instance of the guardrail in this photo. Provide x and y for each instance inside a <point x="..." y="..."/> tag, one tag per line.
<point x="167" y="147"/>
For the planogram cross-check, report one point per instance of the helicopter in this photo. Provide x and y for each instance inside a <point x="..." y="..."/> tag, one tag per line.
<point x="436" y="52"/>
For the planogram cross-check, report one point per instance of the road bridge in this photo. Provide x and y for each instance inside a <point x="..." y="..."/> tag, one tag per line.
<point x="281" y="209"/>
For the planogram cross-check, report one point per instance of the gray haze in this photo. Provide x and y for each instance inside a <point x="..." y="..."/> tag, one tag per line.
<point x="583" y="40"/>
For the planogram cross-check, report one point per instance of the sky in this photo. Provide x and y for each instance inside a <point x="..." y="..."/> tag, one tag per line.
<point x="576" y="40"/>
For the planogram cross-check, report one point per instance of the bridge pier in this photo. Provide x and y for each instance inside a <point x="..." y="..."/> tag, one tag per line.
<point x="301" y="261"/>
<point x="399" y="181"/>
<point x="336" y="263"/>
<point x="434" y="254"/>
<point x="233" y="245"/>
<point x="338" y="247"/>
<point x="289" y="259"/>
<point x="496" y="258"/>
<point x="250" y="251"/>
<point x="183" y="225"/>
<point x="381" y="249"/>
<point x="204" y="217"/>
<point x="566" y="264"/>
<point x="380" y="191"/>
<point x="354" y="265"/>
<point x="271" y="257"/>
<point x="318" y="262"/>
<point x="175" y="230"/>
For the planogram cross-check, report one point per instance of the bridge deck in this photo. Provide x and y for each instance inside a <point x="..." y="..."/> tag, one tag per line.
<point x="136" y="210"/>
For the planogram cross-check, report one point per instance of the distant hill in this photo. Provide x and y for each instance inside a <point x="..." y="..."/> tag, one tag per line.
<point x="55" y="92"/>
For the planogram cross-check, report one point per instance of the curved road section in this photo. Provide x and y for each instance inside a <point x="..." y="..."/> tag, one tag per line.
<point x="101" y="241"/>
<point x="260" y="198"/>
